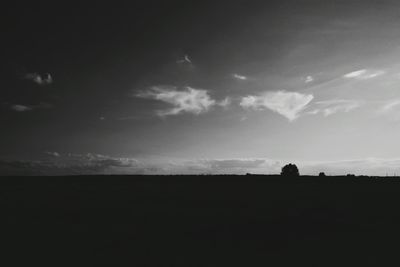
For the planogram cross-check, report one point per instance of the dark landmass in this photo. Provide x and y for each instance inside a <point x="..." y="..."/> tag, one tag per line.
<point x="251" y="220"/>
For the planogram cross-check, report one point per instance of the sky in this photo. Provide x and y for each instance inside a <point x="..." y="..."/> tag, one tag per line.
<point x="200" y="87"/>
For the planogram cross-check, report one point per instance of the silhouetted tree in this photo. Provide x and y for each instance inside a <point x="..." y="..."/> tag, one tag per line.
<point x="290" y="170"/>
<point x="321" y="174"/>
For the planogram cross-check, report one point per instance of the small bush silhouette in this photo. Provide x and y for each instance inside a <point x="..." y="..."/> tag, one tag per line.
<point x="321" y="174"/>
<point x="290" y="170"/>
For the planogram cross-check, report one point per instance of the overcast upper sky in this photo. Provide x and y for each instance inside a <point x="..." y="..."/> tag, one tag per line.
<point x="201" y="87"/>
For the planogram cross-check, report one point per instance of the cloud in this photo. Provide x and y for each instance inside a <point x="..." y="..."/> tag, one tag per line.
<point x="239" y="77"/>
<point x="91" y="164"/>
<point x="287" y="104"/>
<point x="47" y="79"/>
<point x="225" y="103"/>
<point x="73" y="164"/>
<point x="364" y="74"/>
<point x="189" y="100"/>
<point x="355" y="74"/>
<point x="330" y="107"/>
<point x="234" y="163"/>
<point x="25" y="108"/>
<point x="54" y="154"/>
<point x="223" y="166"/>
<point x="391" y="109"/>
<point x="308" y="79"/>
<point x="185" y="60"/>
<point x="21" y="108"/>
<point x="390" y="106"/>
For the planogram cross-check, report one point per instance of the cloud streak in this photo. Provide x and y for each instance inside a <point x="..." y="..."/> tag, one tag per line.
<point x="390" y="109"/>
<point x="90" y="164"/>
<point x="287" y="104"/>
<point x="73" y="164"/>
<point x="21" y="108"/>
<point x="26" y="108"/>
<point x="330" y="107"/>
<point x="364" y="74"/>
<point x="53" y="154"/>
<point x="239" y="77"/>
<point x="188" y="100"/>
<point x="390" y="106"/>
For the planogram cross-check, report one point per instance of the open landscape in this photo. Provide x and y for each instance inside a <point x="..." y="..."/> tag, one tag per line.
<point x="252" y="220"/>
<point x="200" y="133"/>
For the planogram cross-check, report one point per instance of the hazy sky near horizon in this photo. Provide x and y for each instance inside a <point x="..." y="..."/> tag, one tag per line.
<point x="201" y="86"/>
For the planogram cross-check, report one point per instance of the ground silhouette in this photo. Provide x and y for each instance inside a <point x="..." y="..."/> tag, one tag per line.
<point x="228" y="220"/>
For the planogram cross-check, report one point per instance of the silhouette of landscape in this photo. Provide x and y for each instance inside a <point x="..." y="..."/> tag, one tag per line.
<point x="200" y="133"/>
<point x="204" y="220"/>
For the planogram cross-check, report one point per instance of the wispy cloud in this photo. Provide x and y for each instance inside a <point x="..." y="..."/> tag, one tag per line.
<point x="47" y="79"/>
<point x="239" y="77"/>
<point x="188" y="100"/>
<point x="237" y="165"/>
<point x="390" y="106"/>
<point x="185" y="60"/>
<point x="287" y="104"/>
<point x="89" y="164"/>
<point x="220" y="166"/>
<point x="73" y="164"/>
<point x="53" y="154"/>
<point x="225" y="103"/>
<point x="25" y="108"/>
<point x="390" y="109"/>
<point x="308" y="79"/>
<point x="330" y="107"/>
<point x="21" y="108"/>
<point x="364" y="74"/>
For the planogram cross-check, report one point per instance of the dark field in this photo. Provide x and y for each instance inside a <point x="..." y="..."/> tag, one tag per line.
<point x="200" y="221"/>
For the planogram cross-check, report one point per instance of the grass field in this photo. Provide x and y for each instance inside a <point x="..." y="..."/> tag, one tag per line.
<point x="200" y="221"/>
